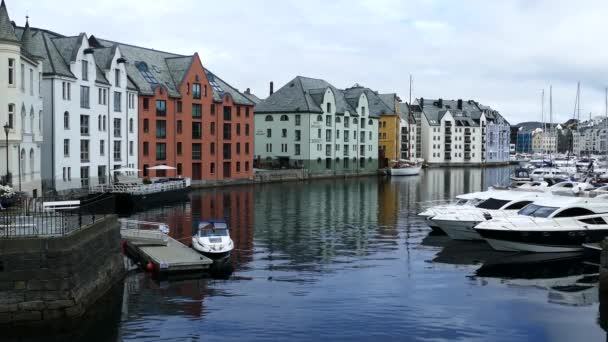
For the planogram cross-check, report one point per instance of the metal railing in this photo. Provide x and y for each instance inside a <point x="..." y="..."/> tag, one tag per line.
<point x="142" y="189"/>
<point x="29" y="217"/>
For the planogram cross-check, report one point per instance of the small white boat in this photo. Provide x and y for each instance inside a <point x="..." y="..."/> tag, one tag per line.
<point x="212" y="239"/>
<point x="405" y="168"/>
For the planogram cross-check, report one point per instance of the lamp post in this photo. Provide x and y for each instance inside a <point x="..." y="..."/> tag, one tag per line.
<point x="6" y="129"/>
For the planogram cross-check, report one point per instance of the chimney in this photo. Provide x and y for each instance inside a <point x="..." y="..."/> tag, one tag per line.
<point x="440" y="103"/>
<point x="460" y="104"/>
<point x="248" y="91"/>
<point x="271" y="87"/>
<point x="421" y="103"/>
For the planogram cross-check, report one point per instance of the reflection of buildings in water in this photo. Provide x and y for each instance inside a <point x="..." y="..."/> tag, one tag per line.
<point x="311" y="220"/>
<point x="574" y="295"/>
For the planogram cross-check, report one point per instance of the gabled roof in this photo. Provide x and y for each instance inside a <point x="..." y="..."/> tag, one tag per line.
<point x="41" y="42"/>
<point x="391" y="101"/>
<point x="178" y="67"/>
<point x="406" y="114"/>
<point x="68" y="46"/>
<point x="7" y="32"/>
<point x="220" y="87"/>
<point x="251" y="96"/>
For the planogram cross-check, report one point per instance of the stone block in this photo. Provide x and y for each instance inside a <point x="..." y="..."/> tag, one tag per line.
<point x="5" y="317"/>
<point x="26" y="316"/>
<point x="11" y="297"/>
<point x="35" y="305"/>
<point x="20" y="285"/>
<point x="59" y="304"/>
<point x="8" y="307"/>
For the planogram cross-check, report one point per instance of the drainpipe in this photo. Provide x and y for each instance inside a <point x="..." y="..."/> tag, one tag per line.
<point x="19" y="160"/>
<point x="110" y="148"/>
<point x="53" y="182"/>
<point x="127" y="122"/>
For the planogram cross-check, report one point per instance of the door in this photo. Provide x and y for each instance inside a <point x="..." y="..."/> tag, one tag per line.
<point x="197" y="171"/>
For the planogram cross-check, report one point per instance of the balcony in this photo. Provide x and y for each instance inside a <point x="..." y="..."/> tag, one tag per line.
<point x="467" y="140"/>
<point x="448" y="131"/>
<point x="467" y="156"/>
<point x="448" y="140"/>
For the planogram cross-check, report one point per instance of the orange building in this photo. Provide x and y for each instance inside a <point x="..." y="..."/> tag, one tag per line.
<point x="189" y="118"/>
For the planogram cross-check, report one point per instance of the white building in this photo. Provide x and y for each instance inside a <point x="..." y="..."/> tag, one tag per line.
<point x="408" y="133"/>
<point x="311" y="124"/>
<point x="20" y="108"/>
<point x="90" y="111"/>
<point x="460" y="133"/>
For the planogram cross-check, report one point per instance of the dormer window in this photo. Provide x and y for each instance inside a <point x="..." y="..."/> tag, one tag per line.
<point x="363" y="111"/>
<point x="145" y="72"/>
<point x="85" y="70"/>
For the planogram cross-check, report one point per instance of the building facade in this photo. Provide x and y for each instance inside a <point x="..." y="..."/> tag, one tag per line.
<point x="389" y="131"/>
<point x="409" y="133"/>
<point x="20" y="108"/>
<point x="310" y="124"/>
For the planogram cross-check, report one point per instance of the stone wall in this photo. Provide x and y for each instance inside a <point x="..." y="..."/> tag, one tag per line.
<point x="53" y="278"/>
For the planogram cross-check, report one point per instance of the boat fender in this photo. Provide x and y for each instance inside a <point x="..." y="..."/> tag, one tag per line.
<point x="150" y="266"/>
<point x="123" y="244"/>
<point x="487" y="216"/>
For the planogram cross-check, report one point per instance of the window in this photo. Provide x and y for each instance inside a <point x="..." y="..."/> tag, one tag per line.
<point x="298" y="120"/>
<point x="284" y="133"/>
<point x="131" y="101"/>
<point x="131" y="148"/>
<point x="238" y="148"/>
<point x="328" y="107"/>
<point x="99" y="127"/>
<point x="268" y="133"/>
<point x="238" y="111"/>
<point x="197" y="130"/>
<point x="117" y="77"/>
<point x="238" y="166"/>
<point x="146" y="170"/>
<point x="227" y="131"/>
<point x="227" y="113"/>
<point x="179" y="148"/>
<point x="196" y="110"/>
<point x="572" y="212"/>
<point x="247" y="130"/>
<point x="31" y="82"/>
<point x="268" y="147"/>
<point x="179" y="106"/>
<point x="146" y="126"/>
<point x="161" y="151"/>
<point x="297" y="149"/>
<point x="101" y="174"/>
<point x="161" y="129"/>
<point x="212" y="168"/>
<point x="131" y="125"/>
<point x="346" y="122"/>
<point x="146" y="103"/>
<point x="66" y="147"/>
<point x="179" y="168"/>
<point x="161" y="108"/>
<point x="205" y="90"/>
<point x="238" y="129"/>
<point x="66" y="120"/>
<point x="117" y="128"/>
<point x="146" y="147"/>
<point x="117" y="149"/>
<point x="179" y="127"/>
<point x="298" y="135"/>
<point x="11" y="72"/>
<point x="212" y="109"/>
<point x="319" y="133"/>
<point x="11" y="115"/>
<point x="246" y="166"/>
<point x="227" y="149"/>
<point x="328" y="135"/>
<point x="84" y="176"/>
<point x="284" y="118"/>
<point x="212" y="148"/>
<point x="492" y="203"/>
<point x="84" y="125"/>
<point x="196" y="151"/>
<point x="518" y="205"/>
<point x="117" y="101"/>
<point x="84" y="151"/>
<point x="196" y="90"/>
<point x="537" y="211"/>
<point x="246" y="148"/>
<point x="212" y="128"/>
<point x="268" y="118"/>
<point x="22" y="78"/>
<point x="328" y="120"/>
<point x="84" y="97"/>
<point x="102" y="147"/>
<point x="85" y="70"/>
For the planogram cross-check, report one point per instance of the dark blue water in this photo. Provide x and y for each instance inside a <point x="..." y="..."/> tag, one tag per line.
<point x="349" y="260"/>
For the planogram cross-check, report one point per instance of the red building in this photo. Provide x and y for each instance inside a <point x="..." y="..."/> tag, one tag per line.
<point x="189" y="118"/>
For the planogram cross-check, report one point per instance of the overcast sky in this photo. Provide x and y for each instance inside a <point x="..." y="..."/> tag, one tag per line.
<point x="500" y="53"/>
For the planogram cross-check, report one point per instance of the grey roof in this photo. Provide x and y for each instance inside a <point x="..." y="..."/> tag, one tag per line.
<point x="7" y="31"/>
<point x="178" y="67"/>
<point x="41" y="42"/>
<point x="405" y="114"/>
<point x="68" y="46"/>
<point x="28" y="46"/>
<point x="251" y="96"/>
<point x="391" y="101"/>
<point x="305" y="94"/>
<point x="223" y="87"/>
<point x="468" y="114"/>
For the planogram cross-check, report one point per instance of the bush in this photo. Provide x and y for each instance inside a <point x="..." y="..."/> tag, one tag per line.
<point x="6" y="192"/>
<point x="147" y="181"/>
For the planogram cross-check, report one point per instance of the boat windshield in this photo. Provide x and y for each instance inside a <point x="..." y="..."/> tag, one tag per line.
<point x="461" y="202"/>
<point x="492" y="203"/>
<point x="534" y="210"/>
<point x="210" y="232"/>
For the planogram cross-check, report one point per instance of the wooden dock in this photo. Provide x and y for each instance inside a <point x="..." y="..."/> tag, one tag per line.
<point x="165" y="253"/>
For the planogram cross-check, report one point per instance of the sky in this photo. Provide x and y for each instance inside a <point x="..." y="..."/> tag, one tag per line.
<point x="500" y="53"/>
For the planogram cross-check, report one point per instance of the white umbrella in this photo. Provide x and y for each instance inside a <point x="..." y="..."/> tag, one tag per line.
<point x="162" y="167"/>
<point x="126" y="169"/>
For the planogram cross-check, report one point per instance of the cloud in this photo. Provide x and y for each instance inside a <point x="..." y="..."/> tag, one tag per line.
<point x="501" y="53"/>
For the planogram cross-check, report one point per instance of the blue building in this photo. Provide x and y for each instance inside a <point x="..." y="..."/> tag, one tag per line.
<point x="524" y="142"/>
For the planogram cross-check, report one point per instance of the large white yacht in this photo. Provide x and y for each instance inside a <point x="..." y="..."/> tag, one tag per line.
<point x="552" y="224"/>
<point x="458" y="223"/>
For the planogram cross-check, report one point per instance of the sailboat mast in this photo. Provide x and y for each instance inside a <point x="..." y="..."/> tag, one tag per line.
<point x="551" y="122"/>
<point x="409" y="127"/>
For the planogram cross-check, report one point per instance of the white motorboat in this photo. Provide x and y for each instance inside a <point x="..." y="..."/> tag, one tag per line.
<point x="459" y="223"/>
<point x="405" y="168"/>
<point x="213" y="239"/>
<point x="541" y="174"/>
<point x="549" y="225"/>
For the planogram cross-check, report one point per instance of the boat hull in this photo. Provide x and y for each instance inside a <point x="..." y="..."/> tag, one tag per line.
<point x="541" y="241"/>
<point x="459" y="230"/>
<point x="126" y="203"/>
<point x="406" y="171"/>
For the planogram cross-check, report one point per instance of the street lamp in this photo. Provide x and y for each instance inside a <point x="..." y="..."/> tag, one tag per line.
<point x="6" y="129"/>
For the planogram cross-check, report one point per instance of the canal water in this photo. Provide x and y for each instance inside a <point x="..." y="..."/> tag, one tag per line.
<point x="349" y="260"/>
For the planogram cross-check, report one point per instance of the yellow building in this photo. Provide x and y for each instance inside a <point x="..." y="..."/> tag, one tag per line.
<point x="388" y="131"/>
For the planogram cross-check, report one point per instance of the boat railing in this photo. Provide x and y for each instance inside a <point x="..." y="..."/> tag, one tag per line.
<point x="142" y="189"/>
